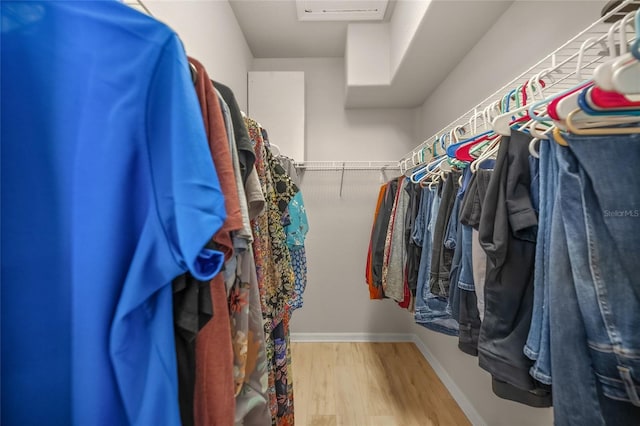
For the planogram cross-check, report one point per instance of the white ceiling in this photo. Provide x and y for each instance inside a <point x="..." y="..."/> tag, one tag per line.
<point x="272" y="30"/>
<point x="448" y="31"/>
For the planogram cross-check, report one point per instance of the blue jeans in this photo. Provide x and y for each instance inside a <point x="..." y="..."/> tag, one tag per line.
<point x="431" y="310"/>
<point x="465" y="281"/>
<point x="538" y="344"/>
<point x="595" y="287"/>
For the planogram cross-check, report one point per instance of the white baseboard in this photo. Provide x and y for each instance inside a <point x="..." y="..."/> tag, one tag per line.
<point x="352" y="337"/>
<point x="465" y="405"/>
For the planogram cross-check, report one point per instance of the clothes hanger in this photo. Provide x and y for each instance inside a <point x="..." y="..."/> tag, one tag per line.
<point x="535" y="140"/>
<point x="570" y="102"/>
<point x="587" y="108"/>
<point x="552" y="104"/>
<point x="530" y="125"/>
<point x="435" y="171"/>
<point x="194" y="73"/>
<point x="603" y="73"/>
<point x="275" y="149"/>
<point x="463" y="153"/>
<point x="417" y="175"/>
<point x="557" y="136"/>
<point x="502" y="123"/>
<point x="626" y="74"/>
<point x="574" y="128"/>
<point x="486" y="154"/>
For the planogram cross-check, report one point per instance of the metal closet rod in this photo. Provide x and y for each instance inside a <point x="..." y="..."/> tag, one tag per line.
<point x="347" y="165"/>
<point x="341" y="166"/>
<point x="568" y="50"/>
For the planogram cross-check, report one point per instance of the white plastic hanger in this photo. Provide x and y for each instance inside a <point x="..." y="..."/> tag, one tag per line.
<point x="502" y="123"/>
<point x="275" y="149"/>
<point x="626" y="74"/>
<point x="570" y="102"/>
<point x="486" y="154"/>
<point x="603" y="73"/>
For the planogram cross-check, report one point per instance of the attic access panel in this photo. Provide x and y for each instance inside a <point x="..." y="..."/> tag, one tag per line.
<point x="341" y="10"/>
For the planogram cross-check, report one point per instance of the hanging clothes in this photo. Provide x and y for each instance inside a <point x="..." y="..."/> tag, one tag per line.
<point x="414" y="251"/>
<point x="508" y="234"/>
<point x="442" y="253"/>
<point x="468" y="314"/>
<point x="375" y="292"/>
<point x="214" y="388"/>
<point x="393" y="274"/>
<point x="118" y="198"/>
<point x="250" y="371"/>
<point x="275" y="273"/>
<point x="246" y="154"/>
<point x="431" y="311"/>
<point x="381" y="227"/>
<point x="594" y="297"/>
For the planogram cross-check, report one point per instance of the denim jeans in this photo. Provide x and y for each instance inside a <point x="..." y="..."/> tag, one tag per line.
<point x="537" y="347"/>
<point x="431" y="310"/>
<point x="595" y="292"/>
<point x="422" y="237"/>
<point x="465" y="279"/>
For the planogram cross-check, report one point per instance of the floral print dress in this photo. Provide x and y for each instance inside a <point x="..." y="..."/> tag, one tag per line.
<point x="275" y="274"/>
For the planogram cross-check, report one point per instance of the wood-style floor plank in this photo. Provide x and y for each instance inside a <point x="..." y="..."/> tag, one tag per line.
<point x="369" y="384"/>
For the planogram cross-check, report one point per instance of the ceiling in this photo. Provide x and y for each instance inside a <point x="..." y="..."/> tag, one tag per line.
<point x="446" y="33"/>
<point x="272" y="30"/>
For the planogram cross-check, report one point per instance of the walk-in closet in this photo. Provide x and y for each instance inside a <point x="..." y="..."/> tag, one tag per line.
<point x="320" y="212"/>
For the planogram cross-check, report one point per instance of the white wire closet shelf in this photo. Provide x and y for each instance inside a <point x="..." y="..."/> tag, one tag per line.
<point x="563" y="61"/>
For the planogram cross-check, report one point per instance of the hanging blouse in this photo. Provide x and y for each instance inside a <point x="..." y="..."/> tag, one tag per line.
<point x="273" y="260"/>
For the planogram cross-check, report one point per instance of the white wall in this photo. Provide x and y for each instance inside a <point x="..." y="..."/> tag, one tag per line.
<point x="497" y="58"/>
<point x="367" y="55"/>
<point x="504" y="52"/>
<point x="405" y="21"/>
<point x="337" y="299"/>
<point x="211" y="34"/>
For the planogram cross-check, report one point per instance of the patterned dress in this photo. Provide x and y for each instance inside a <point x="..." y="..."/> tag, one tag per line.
<point x="275" y="274"/>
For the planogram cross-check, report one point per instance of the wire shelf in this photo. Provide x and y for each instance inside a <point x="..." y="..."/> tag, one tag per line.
<point x="563" y="60"/>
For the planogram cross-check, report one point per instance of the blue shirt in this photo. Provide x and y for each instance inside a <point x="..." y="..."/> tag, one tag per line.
<point x="108" y="193"/>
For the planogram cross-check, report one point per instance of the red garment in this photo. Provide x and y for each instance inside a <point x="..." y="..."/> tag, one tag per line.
<point x="219" y="146"/>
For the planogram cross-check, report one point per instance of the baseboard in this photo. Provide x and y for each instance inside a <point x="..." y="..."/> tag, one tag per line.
<point x="465" y="405"/>
<point x="352" y="337"/>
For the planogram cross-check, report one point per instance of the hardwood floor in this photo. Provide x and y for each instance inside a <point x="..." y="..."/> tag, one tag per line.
<point x="369" y="384"/>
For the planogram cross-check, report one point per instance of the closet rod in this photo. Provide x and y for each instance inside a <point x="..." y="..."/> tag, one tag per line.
<point x="564" y="58"/>
<point x="346" y="165"/>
